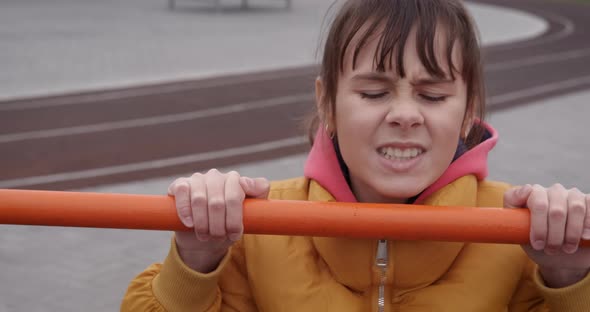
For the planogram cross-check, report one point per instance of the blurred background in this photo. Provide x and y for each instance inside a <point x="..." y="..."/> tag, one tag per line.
<point x="124" y="96"/>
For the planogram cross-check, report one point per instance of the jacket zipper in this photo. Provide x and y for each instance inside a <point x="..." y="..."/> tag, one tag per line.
<point x="381" y="260"/>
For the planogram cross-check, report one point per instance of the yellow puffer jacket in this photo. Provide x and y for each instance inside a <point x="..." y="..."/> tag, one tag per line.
<point x="282" y="273"/>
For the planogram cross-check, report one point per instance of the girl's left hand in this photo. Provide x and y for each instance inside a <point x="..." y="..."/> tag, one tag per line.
<point x="560" y="218"/>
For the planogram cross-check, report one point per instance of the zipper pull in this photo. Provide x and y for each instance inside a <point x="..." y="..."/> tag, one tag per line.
<point x="381" y="258"/>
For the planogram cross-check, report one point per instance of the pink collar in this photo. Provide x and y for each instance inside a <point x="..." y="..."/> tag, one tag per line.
<point x="323" y="167"/>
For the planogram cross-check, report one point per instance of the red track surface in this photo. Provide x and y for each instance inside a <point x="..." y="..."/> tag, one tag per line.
<point x="137" y="133"/>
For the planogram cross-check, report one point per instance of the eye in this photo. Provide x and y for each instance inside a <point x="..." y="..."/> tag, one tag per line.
<point x="373" y="95"/>
<point x="433" y="98"/>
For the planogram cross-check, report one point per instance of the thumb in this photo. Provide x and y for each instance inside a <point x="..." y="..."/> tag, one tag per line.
<point x="256" y="188"/>
<point x="517" y="197"/>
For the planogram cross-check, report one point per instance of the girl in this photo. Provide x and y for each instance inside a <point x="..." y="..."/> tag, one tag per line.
<point x="400" y="105"/>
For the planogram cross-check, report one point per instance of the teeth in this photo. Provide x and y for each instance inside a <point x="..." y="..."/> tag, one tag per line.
<point x="398" y="153"/>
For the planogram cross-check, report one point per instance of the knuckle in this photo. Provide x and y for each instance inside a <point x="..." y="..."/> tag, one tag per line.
<point x="217" y="204"/>
<point x="196" y="175"/>
<point x="557" y="187"/>
<point x="557" y="215"/>
<point x="217" y="232"/>
<point x="180" y="187"/>
<point x="233" y="202"/>
<point x="184" y="209"/>
<point x="201" y="225"/>
<point x="233" y="173"/>
<point x="577" y="207"/>
<point x="234" y="226"/>
<point x="198" y="199"/>
<point x="556" y="190"/>
<point x="213" y="171"/>
<point x="173" y="187"/>
<point x="539" y="206"/>
<point x="181" y="202"/>
<point x="576" y="191"/>
<point x="234" y="198"/>
<point x="178" y="180"/>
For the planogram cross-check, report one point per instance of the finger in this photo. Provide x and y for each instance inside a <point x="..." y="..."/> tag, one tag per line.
<point x="182" y="200"/>
<point x="234" y="199"/>
<point x="255" y="188"/>
<point x="172" y="185"/>
<point x="538" y="206"/>
<point x="576" y="213"/>
<point x="557" y="218"/>
<point x="516" y="197"/>
<point x="216" y="203"/>
<point x="199" y="206"/>
<point x="586" y="232"/>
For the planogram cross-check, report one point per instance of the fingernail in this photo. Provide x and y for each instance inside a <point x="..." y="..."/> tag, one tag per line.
<point x="538" y="245"/>
<point x="187" y="221"/>
<point x="235" y="237"/>
<point x="246" y="182"/>
<point x="570" y="248"/>
<point x="203" y="237"/>
<point x="250" y="183"/>
<point x="586" y="234"/>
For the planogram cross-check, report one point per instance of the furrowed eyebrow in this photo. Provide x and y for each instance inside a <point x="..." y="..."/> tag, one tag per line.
<point x="432" y="81"/>
<point x="377" y="77"/>
<point x="382" y="78"/>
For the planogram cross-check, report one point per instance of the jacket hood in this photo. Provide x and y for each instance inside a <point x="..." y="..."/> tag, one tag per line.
<point x="322" y="165"/>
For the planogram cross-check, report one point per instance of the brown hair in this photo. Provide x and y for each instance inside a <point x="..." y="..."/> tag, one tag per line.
<point x="396" y="18"/>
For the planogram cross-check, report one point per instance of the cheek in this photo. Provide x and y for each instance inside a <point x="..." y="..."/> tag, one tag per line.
<point x="445" y="126"/>
<point x="353" y="114"/>
<point x="346" y="114"/>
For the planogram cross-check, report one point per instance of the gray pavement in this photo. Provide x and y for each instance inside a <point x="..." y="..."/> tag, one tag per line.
<point x="61" y="269"/>
<point x="61" y="46"/>
<point x="545" y="142"/>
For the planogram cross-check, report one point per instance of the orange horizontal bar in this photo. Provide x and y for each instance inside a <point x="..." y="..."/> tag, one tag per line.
<point x="277" y="217"/>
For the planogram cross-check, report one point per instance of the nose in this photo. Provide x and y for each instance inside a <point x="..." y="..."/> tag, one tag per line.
<point x="404" y="114"/>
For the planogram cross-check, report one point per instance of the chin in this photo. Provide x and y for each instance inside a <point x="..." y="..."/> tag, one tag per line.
<point x="402" y="193"/>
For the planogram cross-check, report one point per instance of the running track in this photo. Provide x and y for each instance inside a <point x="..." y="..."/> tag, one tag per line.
<point x="122" y="135"/>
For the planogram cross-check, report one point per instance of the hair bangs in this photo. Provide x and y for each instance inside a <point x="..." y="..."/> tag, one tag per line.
<point x="395" y="23"/>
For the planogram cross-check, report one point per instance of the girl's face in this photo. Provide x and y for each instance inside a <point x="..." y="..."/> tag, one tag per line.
<point x="397" y="136"/>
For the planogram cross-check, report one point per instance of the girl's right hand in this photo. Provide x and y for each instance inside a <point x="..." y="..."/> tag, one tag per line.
<point x="212" y="205"/>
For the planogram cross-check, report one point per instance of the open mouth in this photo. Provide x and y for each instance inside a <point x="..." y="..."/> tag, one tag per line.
<point x="400" y="154"/>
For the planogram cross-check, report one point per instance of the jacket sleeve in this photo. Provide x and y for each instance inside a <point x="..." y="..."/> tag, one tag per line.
<point x="533" y="296"/>
<point x="172" y="286"/>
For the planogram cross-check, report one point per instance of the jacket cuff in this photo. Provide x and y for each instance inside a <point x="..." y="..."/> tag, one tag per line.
<point x="179" y="288"/>
<point x="575" y="297"/>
